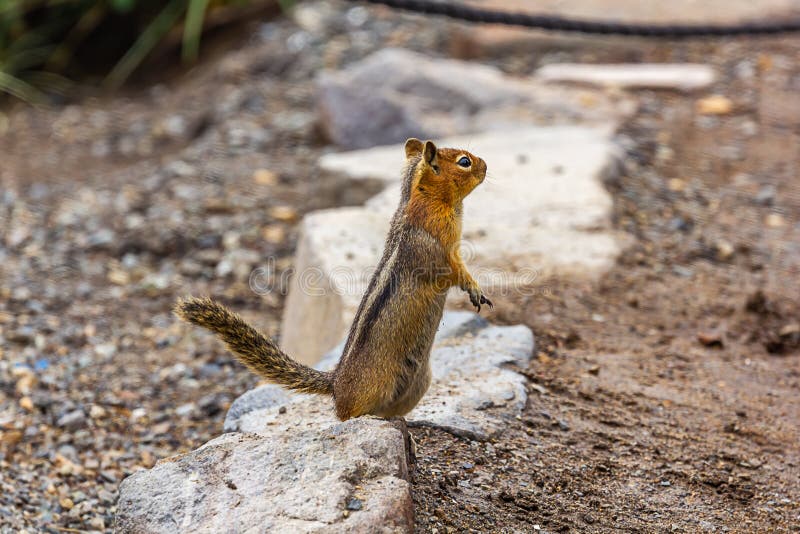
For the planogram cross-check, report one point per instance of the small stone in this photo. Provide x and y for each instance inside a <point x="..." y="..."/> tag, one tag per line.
<point x="775" y="220"/>
<point x="789" y="330"/>
<point x="72" y="420"/>
<point x="10" y="437"/>
<point x="676" y="185"/>
<point x="137" y="414"/>
<point x="25" y="383"/>
<point x="105" y="350"/>
<point x="97" y="523"/>
<point x="724" y="250"/>
<point x="354" y="504"/>
<point x="766" y="195"/>
<point x="184" y="410"/>
<point x="714" y="105"/>
<point x="97" y="412"/>
<point x="66" y="503"/>
<point x="148" y="460"/>
<point x="23" y="335"/>
<point x="109" y="476"/>
<point x="265" y="177"/>
<point x="118" y="277"/>
<point x="283" y="213"/>
<point x="710" y="339"/>
<point x="273" y="233"/>
<point x="181" y="169"/>
<point x="26" y="403"/>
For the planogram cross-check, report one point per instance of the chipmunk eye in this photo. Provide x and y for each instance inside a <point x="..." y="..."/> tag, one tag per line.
<point x="464" y="161"/>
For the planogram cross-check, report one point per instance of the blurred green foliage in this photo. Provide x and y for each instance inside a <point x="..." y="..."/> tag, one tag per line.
<point x="43" y="42"/>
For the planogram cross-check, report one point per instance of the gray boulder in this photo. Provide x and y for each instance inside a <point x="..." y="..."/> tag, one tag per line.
<point x="309" y="474"/>
<point x="395" y="94"/>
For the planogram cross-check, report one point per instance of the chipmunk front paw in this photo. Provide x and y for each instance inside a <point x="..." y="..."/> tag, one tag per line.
<point x="476" y="297"/>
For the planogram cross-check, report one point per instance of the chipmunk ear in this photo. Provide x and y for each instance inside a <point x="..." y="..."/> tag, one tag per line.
<point x="413" y="147"/>
<point x="429" y="156"/>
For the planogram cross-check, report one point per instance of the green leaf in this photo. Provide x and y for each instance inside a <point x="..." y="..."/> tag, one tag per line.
<point x="149" y="38"/>
<point x="192" y="29"/>
<point x="122" y="6"/>
<point x="20" y="89"/>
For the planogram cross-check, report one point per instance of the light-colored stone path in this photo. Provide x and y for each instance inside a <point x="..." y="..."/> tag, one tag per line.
<point x="288" y="465"/>
<point x="542" y="211"/>
<point x="472" y="394"/>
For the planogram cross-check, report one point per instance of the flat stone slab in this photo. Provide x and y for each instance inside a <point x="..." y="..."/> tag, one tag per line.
<point x="543" y="210"/>
<point x="305" y="472"/>
<point x="394" y="94"/>
<point x="472" y="394"/>
<point x="680" y="76"/>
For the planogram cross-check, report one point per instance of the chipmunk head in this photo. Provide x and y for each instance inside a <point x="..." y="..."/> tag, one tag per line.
<point x="445" y="174"/>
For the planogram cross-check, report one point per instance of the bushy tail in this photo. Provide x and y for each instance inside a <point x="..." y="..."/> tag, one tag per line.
<point x="258" y="352"/>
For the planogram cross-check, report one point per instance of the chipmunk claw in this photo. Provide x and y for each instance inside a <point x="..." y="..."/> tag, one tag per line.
<point x="477" y="298"/>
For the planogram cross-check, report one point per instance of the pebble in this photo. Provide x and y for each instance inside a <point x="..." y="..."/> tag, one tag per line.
<point x="265" y="177"/>
<point x="354" y="504"/>
<point x="710" y="339"/>
<point x="185" y="410"/>
<point x="273" y="234"/>
<point x="138" y="414"/>
<point x="724" y="250"/>
<point x="766" y="195"/>
<point x="714" y="105"/>
<point x="283" y="213"/>
<point x="26" y="403"/>
<point x="106" y="496"/>
<point x="676" y="185"/>
<point x="775" y="220"/>
<point x="72" y="420"/>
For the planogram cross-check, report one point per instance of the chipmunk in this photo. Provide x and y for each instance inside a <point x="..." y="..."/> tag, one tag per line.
<point x="384" y="369"/>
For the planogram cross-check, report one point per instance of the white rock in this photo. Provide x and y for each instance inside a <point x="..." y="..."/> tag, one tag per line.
<point x="301" y="473"/>
<point x="472" y="394"/>
<point x="542" y="210"/>
<point x="678" y="76"/>
<point x="395" y="94"/>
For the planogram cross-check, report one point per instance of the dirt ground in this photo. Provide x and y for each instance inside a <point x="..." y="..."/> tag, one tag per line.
<point x="663" y="397"/>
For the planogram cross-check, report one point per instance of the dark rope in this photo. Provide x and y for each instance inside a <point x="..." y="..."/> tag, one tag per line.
<point x="556" y="23"/>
